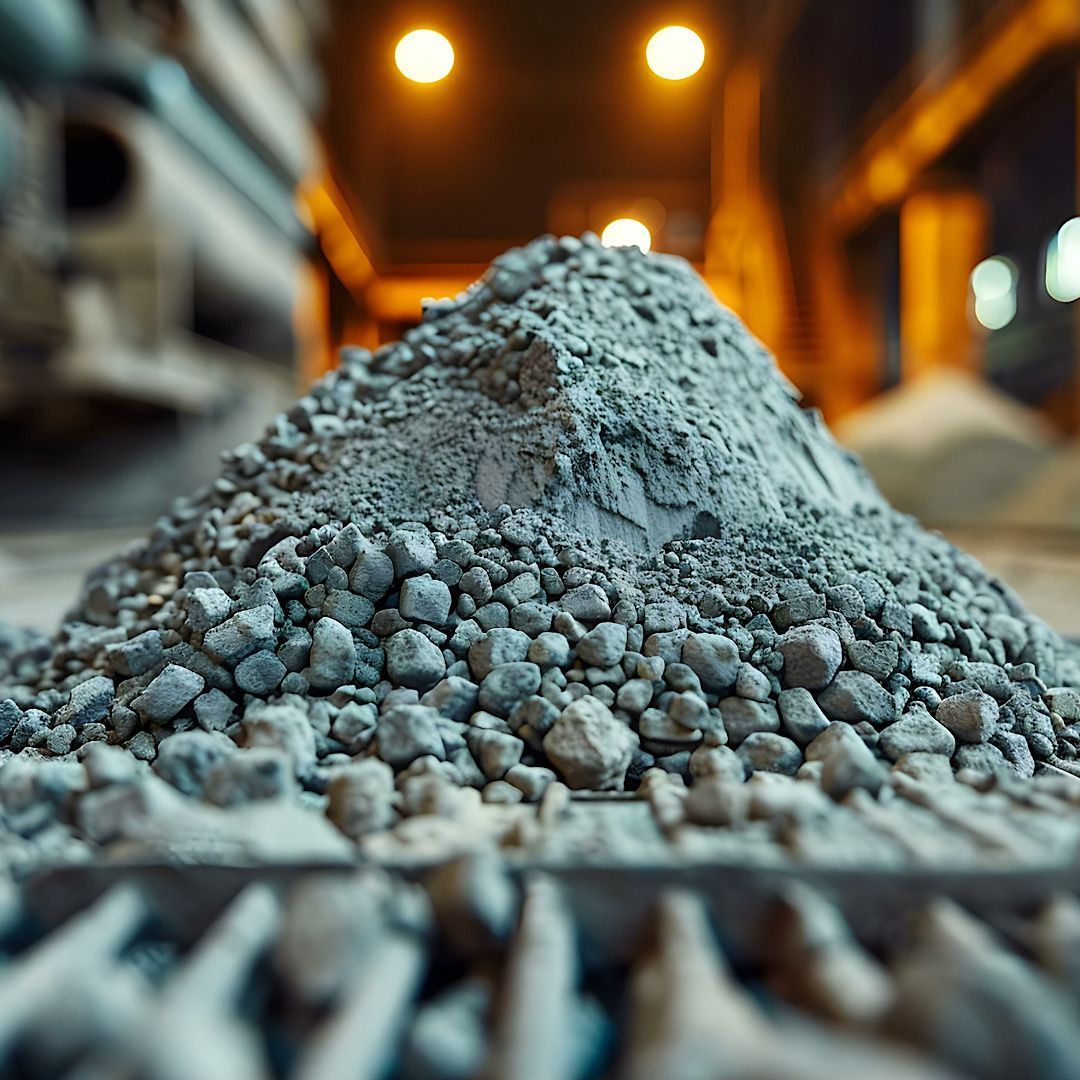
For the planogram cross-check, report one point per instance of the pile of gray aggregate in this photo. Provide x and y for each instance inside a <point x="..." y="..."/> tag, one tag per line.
<point x="575" y="527"/>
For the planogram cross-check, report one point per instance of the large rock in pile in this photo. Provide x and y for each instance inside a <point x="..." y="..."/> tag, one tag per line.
<point x="574" y="526"/>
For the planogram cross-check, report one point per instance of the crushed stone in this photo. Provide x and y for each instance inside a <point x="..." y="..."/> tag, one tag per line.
<point x="576" y="527"/>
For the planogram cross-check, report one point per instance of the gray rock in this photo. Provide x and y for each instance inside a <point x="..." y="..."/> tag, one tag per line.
<point x="89" y="703"/>
<point x="136" y="656"/>
<point x="714" y="659"/>
<point x="354" y="726"/>
<point x="425" y="599"/>
<point x="689" y="709"/>
<point x="185" y="759"/>
<point x="1065" y="701"/>
<point x="589" y="603"/>
<point x="532" y="619"/>
<point x="531" y="780"/>
<point x="58" y="741"/>
<point x="411" y="552"/>
<point x="765" y="751"/>
<point x="245" y="632"/>
<point x="348" y="608"/>
<point x="408" y="732"/>
<point x="361" y="798"/>
<point x="971" y="717"/>
<point x="168" y="694"/>
<point x="812" y="656"/>
<point x="508" y="684"/>
<point x="250" y="777"/>
<point x="797" y="610"/>
<point x="914" y="733"/>
<point x="333" y="655"/>
<point x="295" y="651"/>
<point x="207" y="608"/>
<point x="752" y="684"/>
<point x="495" y="752"/>
<point x="743" y="717"/>
<point x="719" y="761"/>
<point x="414" y="661"/>
<point x="855" y="696"/>
<point x="982" y="758"/>
<point x="500" y="645"/>
<point x="260" y="673"/>
<point x="926" y="768"/>
<point x="604" y="645"/>
<point x="345" y="547"/>
<point x="285" y="727"/>
<point x="659" y="727"/>
<point x="878" y="659"/>
<point x="214" y="710"/>
<point x="1016" y="751"/>
<point x="589" y="748"/>
<point x="549" y="650"/>
<point x="634" y="695"/>
<point x="372" y="574"/>
<point x="800" y="718"/>
<point x="453" y="697"/>
<point x="847" y="763"/>
<point x="663" y="616"/>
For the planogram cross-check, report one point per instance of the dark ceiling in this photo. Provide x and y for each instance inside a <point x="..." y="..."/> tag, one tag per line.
<point x="550" y="119"/>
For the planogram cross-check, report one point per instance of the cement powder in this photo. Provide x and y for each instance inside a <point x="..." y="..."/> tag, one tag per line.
<point x="574" y="526"/>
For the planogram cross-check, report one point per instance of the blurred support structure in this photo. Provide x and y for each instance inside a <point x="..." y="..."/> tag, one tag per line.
<point x="946" y="229"/>
<point x="942" y="236"/>
<point x="153" y="259"/>
<point x="943" y="109"/>
<point x="745" y="252"/>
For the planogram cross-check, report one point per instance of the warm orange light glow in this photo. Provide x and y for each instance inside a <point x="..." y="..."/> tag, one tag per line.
<point x="425" y="56"/>
<point x="675" y="53"/>
<point x="626" y="232"/>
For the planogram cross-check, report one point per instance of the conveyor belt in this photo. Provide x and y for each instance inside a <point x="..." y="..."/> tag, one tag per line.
<point x="474" y="968"/>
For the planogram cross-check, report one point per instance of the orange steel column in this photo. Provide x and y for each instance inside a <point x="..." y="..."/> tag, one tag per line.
<point x="942" y="238"/>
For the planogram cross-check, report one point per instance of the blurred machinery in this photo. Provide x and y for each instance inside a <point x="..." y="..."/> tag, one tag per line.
<point x="151" y="250"/>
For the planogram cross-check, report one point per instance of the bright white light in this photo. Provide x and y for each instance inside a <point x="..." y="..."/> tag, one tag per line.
<point x="626" y="232"/>
<point x="992" y="278"/>
<point x="993" y="283"/>
<point x="424" y="56"/>
<point x="997" y="311"/>
<point x="1063" y="263"/>
<point x="675" y="52"/>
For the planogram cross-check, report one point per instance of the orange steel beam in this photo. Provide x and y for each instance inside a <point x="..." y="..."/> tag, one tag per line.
<point x="337" y="232"/>
<point x="398" y="297"/>
<point x="938" y="113"/>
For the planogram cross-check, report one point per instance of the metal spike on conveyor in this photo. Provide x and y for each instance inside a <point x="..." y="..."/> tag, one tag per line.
<point x="325" y="972"/>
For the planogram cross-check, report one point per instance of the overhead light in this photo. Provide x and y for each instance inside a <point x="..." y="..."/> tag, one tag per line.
<point x="425" y="56"/>
<point x="993" y="284"/>
<point x="1063" y="263"/>
<point x="675" y="53"/>
<point x="626" y="232"/>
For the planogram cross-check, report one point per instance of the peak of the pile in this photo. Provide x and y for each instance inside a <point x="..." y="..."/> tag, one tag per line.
<point x="601" y="384"/>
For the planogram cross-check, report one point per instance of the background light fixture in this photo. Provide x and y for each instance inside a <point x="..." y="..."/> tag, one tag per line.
<point x="1063" y="263"/>
<point x="675" y="53"/>
<point x="424" y="56"/>
<point x="993" y="284"/>
<point x="626" y="232"/>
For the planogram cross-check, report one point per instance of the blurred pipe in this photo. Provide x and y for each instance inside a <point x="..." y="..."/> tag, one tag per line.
<point x="128" y="177"/>
<point x="214" y="42"/>
<point x="162" y="87"/>
<point x="10" y="147"/>
<point x="41" y="41"/>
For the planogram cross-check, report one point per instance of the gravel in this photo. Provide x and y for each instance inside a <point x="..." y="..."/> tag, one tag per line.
<point x="624" y="547"/>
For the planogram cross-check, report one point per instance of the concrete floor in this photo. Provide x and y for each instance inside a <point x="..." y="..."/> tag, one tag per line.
<point x="40" y="572"/>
